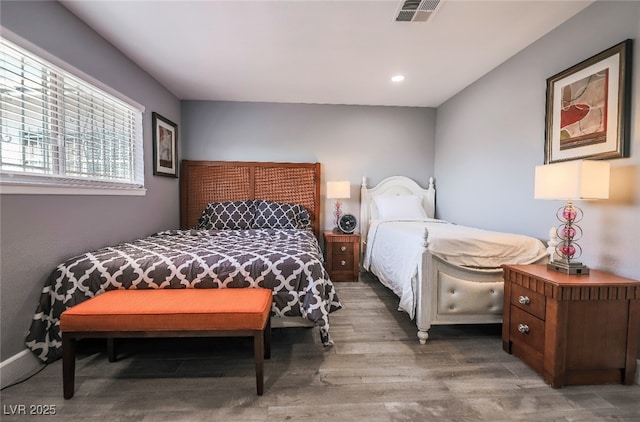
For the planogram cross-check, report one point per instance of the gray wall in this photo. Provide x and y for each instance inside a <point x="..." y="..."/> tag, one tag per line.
<point x="349" y="141"/>
<point x="490" y="137"/>
<point x="39" y="231"/>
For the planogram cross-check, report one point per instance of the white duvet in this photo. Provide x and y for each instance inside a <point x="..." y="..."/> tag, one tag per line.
<point x="394" y="251"/>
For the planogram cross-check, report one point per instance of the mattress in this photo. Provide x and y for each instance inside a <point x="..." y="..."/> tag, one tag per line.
<point x="394" y="251"/>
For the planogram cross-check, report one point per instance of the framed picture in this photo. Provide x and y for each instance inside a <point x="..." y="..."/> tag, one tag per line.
<point x="588" y="107"/>
<point x="165" y="146"/>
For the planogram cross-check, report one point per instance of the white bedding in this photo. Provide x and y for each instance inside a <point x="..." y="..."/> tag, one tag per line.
<point x="394" y="251"/>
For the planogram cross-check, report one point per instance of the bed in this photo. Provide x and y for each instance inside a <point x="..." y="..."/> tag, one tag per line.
<point x="243" y="225"/>
<point x="442" y="273"/>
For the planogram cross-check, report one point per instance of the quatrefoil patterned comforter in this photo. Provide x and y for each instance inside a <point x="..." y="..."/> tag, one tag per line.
<point x="288" y="261"/>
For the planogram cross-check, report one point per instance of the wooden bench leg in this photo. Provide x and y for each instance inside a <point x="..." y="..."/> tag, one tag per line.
<point x="68" y="365"/>
<point x="111" y="349"/>
<point x="267" y="339"/>
<point x="258" y="351"/>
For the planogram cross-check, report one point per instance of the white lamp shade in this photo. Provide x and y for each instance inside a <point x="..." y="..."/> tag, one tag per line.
<point x="569" y="180"/>
<point x="339" y="190"/>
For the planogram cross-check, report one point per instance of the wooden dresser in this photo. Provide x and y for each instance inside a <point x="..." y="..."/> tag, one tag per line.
<point x="572" y="329"/>
<point x="342" y="254"/>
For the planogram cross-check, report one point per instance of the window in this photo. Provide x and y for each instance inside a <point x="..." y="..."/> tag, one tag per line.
<point x="57" y="130"/>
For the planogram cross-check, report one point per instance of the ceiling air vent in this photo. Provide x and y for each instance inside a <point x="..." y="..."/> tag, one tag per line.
<point x="417" y="10"/>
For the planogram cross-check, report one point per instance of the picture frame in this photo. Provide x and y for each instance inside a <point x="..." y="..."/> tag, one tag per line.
<point x="588" y="108"/>
<point x="165" y="146"/>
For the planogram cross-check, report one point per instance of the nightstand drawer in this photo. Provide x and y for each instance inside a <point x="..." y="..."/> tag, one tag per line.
<point x="342" y="262"/>
<point x="342" y="248"/>
<point x="526" y="328"/>
<point x="528" y="300"/>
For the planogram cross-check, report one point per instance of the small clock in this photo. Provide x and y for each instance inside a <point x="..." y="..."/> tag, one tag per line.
<point x="347" y="223"/>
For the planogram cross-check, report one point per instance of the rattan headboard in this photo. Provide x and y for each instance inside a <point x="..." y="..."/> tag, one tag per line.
<point x="202" y="182"/>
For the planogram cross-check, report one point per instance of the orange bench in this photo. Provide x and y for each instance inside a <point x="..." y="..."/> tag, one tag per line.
<point x="168" y="313"/>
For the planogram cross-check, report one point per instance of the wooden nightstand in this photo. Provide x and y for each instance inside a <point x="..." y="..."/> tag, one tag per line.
<point x="342" y="254"/>
<point x="572" y="329"/>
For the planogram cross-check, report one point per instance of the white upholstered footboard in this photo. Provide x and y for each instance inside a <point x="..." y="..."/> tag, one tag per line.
<point x="449" y="294"/>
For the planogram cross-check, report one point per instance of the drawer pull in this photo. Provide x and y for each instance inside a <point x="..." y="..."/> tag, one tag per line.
<point x="343" y="248"/>
<point x="343" y="262"/>
<point x="523" y="328"/>
<point x="524" y="300"/>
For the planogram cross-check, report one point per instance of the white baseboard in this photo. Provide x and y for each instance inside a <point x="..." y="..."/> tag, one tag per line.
<point x="638" y="372"/>
<point x="18" y="366"/>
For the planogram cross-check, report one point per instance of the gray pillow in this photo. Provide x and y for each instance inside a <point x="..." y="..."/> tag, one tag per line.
<point x="231" y="215"/>
<point x="277" y="215"/>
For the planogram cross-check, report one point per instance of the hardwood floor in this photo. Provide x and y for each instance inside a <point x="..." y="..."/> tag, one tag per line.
<point x="376" y="371"/>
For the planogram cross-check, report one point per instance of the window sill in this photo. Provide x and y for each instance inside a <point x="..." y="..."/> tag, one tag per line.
<point x="46" y="189"/>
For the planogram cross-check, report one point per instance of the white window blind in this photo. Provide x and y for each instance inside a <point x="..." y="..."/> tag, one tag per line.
<point x="58" y="130"/>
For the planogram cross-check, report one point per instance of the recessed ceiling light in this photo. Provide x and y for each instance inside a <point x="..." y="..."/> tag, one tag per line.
<point x="397" y="78"/>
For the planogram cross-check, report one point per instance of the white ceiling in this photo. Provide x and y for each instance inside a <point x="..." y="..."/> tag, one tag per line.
<point x="325" y="52"/>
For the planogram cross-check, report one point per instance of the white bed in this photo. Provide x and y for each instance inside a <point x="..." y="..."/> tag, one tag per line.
<point x="443" y="273"/>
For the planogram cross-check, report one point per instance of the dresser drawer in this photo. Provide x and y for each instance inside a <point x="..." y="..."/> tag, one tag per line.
<point x="528" y="300"/>
<point x="342" y="248"/>
<point x="526" y="329"/>
<point x="342" y="262"/>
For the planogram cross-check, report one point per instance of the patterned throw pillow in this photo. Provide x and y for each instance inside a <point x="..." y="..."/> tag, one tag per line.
<point x="303" y="220"/>
<point x="276" y="215"/>
<point x="233" y="215"/>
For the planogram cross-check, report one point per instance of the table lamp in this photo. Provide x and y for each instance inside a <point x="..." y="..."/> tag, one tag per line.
<point x="570" y="181"/>
<point x="337" y="191"/>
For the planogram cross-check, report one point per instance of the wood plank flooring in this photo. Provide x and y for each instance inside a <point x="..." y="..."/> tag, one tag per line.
<point x="376" y="371"/>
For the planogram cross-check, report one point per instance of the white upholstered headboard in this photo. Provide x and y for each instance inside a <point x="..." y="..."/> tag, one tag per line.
<point x="394" y="185"/>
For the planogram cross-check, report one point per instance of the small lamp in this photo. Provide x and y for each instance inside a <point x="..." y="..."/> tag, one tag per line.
<point x="337" y="191"/>
<point x="571" y="180"/>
